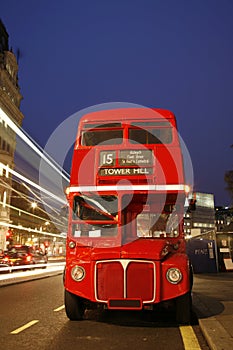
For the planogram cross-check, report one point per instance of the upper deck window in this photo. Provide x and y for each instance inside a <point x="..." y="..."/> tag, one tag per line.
<point x="150" y="132"/>
<point x="107" y="134"/>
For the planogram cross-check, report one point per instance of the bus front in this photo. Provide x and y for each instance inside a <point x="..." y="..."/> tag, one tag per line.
<point x="125" y="244"/>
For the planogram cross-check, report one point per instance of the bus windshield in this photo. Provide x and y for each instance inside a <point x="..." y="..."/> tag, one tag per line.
<point x="152" y="216"/>
<point x="95" y="216"/>
<point x="158" y="224"/>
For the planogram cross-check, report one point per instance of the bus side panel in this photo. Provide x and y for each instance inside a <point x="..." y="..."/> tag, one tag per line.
<point x="169" y="166"/>
<point x="82" y="172"/>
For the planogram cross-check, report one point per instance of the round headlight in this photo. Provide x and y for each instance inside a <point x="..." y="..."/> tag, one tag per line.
<point x="78" y="273"/>
<point x="72" y="244"/>
<point x="174" y="275"/>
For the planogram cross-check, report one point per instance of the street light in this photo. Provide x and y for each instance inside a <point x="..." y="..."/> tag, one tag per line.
<point x="33" y="205"/>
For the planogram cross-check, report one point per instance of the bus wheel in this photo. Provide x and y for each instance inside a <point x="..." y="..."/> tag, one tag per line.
<point x="74" y="306"/>
<point x="183" y="308"/>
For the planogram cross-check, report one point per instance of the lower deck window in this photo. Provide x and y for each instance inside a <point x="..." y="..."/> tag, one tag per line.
<point x="96" y="215"/>
<point x="157" y="225"/>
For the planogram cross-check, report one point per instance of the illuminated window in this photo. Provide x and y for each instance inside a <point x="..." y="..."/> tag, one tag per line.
<point x="4" y="199"/>
<point x="7" y="171"/>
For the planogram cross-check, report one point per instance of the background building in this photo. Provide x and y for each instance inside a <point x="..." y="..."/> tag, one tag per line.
<point x="199" y="219"/>
<point x="223" y="218"/>
<point x="23" y="218"/>
<point x="224" y="237"/>
<point x="10" y="98"/>
<point x="199" y="228"/>
<point x="209" y="233"/>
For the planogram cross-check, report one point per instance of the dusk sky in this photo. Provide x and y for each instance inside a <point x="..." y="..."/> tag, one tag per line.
<point x="170" y="54"/>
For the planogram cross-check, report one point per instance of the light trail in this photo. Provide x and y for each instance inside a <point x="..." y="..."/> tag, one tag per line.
<point x="23" y="178"/>
<point x="29" y="229"/>
<point x="32" y="145"/>
<point x="56" y="221"/>
<point x="34" y="216"/>
<point x="45" y="153"/>
<point x="41" y="200"/>
<point x="23" y="196"/>
<point x="30" y="273"/>
<point x="50" y="198"/>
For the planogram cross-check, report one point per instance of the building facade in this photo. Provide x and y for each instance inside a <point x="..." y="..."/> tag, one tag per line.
<point x="199" y="218"/>
<point x="10" y="99"/>
<point x="224" y="237"/>
<point x="23" y="219"/>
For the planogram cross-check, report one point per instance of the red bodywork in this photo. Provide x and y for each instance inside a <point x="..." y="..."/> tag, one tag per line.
<point x="124" y="269"/>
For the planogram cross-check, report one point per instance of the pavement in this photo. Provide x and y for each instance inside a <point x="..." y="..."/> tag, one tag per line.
<point x="213" y="305"/>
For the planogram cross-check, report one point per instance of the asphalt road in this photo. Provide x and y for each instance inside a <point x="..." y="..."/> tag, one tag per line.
<point x="33" y="317"/>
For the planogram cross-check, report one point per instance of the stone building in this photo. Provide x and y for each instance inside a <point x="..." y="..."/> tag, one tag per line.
<point x="10" y="99"/>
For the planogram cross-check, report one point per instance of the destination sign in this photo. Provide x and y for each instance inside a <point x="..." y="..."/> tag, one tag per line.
<point x="136" y="157"/>
<point x="125" y="171"/>
<point x="141" y="157"/>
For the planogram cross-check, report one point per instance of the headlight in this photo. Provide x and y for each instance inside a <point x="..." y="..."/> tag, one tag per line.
<point x="78" y="273"/>
<point x="174" y="275"/>
<point x="72" y="244"/>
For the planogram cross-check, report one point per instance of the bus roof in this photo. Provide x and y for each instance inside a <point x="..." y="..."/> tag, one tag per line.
<point x="123" y="114"/>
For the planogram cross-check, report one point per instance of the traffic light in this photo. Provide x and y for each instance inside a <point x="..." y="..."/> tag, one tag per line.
<point x="8" y="235"/>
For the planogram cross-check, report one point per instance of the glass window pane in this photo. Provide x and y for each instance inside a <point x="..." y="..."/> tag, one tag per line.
<point x="106" y="137"/>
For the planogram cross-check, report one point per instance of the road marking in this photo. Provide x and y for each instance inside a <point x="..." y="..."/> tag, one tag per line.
<point x="27" y="325"/>
<point x="59" y="308"/>
<point x="189" y="338"/>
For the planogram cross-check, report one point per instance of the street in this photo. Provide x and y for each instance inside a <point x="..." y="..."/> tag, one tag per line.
<point x="33" y="316"/>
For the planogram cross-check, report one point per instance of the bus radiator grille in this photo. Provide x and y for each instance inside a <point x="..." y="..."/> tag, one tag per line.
<point x="125" y="279"/>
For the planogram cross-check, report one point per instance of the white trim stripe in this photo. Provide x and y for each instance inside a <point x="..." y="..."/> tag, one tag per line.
<point x="176" y="187"/>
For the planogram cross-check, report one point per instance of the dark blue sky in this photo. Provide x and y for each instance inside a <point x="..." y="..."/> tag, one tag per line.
<point x="176" y="55"/>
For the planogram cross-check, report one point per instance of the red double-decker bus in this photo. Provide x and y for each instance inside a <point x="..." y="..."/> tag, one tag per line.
<point x="125" y="243"/>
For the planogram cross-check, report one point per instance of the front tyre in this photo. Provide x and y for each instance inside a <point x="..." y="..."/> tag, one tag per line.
<point x="74" y="306"/>
<point x="184" y="308"/>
